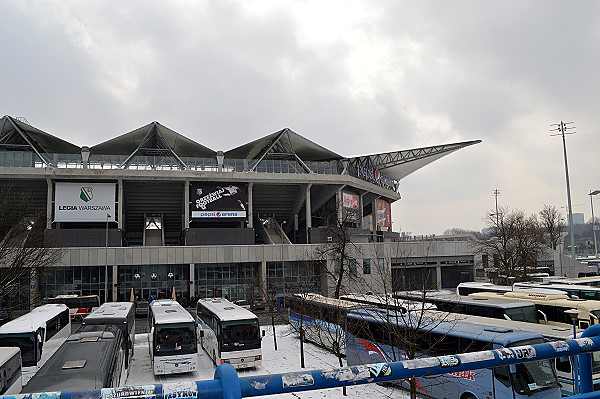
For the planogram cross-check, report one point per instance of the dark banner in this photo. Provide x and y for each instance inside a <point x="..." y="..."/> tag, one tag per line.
<point x="218" y="200"/>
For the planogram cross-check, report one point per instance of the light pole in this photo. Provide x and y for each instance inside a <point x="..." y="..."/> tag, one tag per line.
<point x="592" y="193"/>
<point x="106" y="261"/>
<point x="562" y="128"/>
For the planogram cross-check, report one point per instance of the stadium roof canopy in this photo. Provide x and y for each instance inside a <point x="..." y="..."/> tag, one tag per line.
<point x="156" y="140"/>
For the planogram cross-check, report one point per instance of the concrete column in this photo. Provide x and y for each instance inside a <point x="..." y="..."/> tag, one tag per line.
<point x="338" y="204"/>
<point x="250" y="206"/>
<point x="192" y="280"/>
<point x="438" y="275"/>
<point x="308" y="208"/>
<point x="49" y="203"/>
<point x="361" y="214"/>
<point x="115" y="276"/>
<point x="186" y="204"/>
<point x="120" y="220"/>
<point x="34" y="289"/>
<point x="374" y="217"/>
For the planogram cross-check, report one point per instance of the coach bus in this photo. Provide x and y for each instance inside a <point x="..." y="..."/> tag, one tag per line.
<point x="496" y="307"/>
<point x="573" y="290"/>
<point x="172" y="338"/>
<point x="388" y="302"/>
<point x="10" y="371"/>
<point x="79" y="306"/>
<point x="228" y="333"/>
<point x="471" y="287"/>
<point x="370" y="340"/>
<point x="321" y="319"/>
<point x="552" y="307"/>
<point x="593" y="281"/>
<point x="564" y="365"/>
<point x="38" y="334"/>
<point x="122" y="315"/>
<point x="91" y="358"/>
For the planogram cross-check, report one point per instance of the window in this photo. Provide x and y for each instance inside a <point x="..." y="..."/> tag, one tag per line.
<point x="381" y="265"/>
<point x="352" y="266"/>
<point x="366" y="266"/>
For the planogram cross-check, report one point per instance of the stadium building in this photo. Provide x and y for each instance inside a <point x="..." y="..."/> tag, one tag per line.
<point x="152" y="212"/>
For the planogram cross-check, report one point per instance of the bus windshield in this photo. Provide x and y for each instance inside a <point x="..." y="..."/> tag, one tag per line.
<point x="526" y="313"/>
<point x="595" y="362"/>
<point x="238" y="335"/>
<point x="534" y="376"/>
<point x="26" y="342"/>
<point x="174" y="339"/>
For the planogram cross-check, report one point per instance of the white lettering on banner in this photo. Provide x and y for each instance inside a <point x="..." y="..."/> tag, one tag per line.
<point x="350" y="200"/>
<point x="216" y="195"/>
<point x="376" y="177"/>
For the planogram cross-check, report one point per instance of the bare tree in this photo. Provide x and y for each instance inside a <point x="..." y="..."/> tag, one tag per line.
<point x="25" y="244"/>
<point x="552" y="224"/>
<point x="514" y="240"/>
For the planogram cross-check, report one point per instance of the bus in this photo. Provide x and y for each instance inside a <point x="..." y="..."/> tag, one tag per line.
<point x="10" y="371"/>
<point x="79" y="306"/>
<point x="563" y="365"/>
<point x="229" y="333"/>
<point x="38" y="334"/>
<point x="172" y="338"/>
<point x="91" y="358"/>
<point x="122" y="315"/>
<point x="496" y="307"/>
<point x="552" y="307"/>
<point x="470" y="287"/>
<point x="573" y="290"/>
<point x="375" y="338"/>
<point x="388" y="302"/>
<point x="321" y="319"/>
<point x="593" y="281"/>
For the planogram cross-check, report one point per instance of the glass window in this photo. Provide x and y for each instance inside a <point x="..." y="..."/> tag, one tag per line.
<point x="366" y="266"/>
<point x="240" y="335"/>
<point x="175" y="339"/>
<point x="381" y="265"/>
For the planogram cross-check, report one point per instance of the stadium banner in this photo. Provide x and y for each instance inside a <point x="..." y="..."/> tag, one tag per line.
<point x="84" y="202"/>
<point x="384" y="215"/>
<point x="351" y="206"/>
<point x="218" y="200"/>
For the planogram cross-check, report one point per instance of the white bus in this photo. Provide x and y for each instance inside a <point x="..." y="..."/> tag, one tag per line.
<point x="470" y="287"/>
<point x="80" y="306"/>
<point x="10" y="371"/>
<point x="172" y="338"/>
<point x="229" y="333"/>
<point x="38" y="334"/>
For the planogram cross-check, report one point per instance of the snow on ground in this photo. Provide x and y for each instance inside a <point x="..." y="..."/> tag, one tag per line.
<point x="286" y="359"/>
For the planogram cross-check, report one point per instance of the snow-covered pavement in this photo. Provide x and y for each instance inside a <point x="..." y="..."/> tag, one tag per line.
<point x="285" y="359"/>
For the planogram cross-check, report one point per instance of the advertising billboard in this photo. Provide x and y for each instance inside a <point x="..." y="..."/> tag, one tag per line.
<point x="84" y="202"/>
<point x="350" y="204"/>
<point x="383" y="213"/>
<point x="218" y="200"/>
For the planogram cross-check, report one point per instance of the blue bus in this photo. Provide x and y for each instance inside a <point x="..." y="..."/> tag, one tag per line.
<point x="378" y="336"/>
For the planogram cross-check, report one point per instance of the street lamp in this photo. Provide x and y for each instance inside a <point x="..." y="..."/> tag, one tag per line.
<point x="106" y="261"/>
<point x="592" y="193"/>
<point x="574" y="315"/>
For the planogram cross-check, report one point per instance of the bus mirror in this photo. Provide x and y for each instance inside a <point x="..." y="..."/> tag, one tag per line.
<point x="544" y="316"/>
<point x="512" y="368"/>
<point x="201" y="333"/>
<point x="263" y="333"/>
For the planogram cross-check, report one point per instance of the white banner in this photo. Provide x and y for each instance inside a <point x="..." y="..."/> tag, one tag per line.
<point x="218" y="214"/>
<point x="84" y="202"/>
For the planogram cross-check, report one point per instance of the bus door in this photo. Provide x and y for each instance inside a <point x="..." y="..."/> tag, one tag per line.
<point x="502" y="382"/>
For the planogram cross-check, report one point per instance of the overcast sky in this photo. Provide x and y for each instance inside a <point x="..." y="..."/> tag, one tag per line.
<point x="357" y="77"/>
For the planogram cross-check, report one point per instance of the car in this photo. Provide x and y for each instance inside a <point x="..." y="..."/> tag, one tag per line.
<point x="258" y="304"/>
<point x="243" y="303"/>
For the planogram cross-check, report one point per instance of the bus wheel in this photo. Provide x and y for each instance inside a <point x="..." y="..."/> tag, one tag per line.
<point x="468" y="396"/>
<point x="78" y="318"/>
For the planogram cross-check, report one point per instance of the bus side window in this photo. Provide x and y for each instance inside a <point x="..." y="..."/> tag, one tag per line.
<point x="563" y="364"/>
<point x="583" y="324"/>
<point x="502" y="375"/>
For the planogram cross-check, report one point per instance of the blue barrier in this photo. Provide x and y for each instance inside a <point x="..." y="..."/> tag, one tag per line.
<point x="227" y="384"/>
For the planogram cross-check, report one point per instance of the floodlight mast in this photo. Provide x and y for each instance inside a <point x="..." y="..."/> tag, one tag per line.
<point x="562" y="128"/>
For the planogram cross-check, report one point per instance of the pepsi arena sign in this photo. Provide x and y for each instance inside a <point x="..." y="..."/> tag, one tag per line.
<point x="219" y="214"/>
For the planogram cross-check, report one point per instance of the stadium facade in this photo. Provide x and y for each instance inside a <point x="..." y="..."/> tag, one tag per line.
<point x="152" y="212"/>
